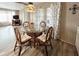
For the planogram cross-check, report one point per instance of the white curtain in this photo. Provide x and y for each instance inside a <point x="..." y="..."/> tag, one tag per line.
<point x="53" y="13"/>
<point x="23" y="15"/>
<point x="49" y="14"/>
<point x="38" y="17"/>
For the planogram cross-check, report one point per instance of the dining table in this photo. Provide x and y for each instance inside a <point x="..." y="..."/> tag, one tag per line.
<point x="34" y="35"/>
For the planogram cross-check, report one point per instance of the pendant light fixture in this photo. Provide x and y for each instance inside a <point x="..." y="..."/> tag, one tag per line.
<point x="30" y="7"/>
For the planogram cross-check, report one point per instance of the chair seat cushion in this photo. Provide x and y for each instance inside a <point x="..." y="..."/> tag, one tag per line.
<point x="42" y="37"/>
<point x="25" y="37"/>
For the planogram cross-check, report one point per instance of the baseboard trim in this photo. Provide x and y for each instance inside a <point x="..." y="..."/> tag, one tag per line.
<point x="67" y="42"/>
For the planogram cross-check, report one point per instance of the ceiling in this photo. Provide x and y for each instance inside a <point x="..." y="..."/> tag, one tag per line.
<point x="38" y="4"/>
<point x="25" y="3"/>
<point x="21" y="5"/>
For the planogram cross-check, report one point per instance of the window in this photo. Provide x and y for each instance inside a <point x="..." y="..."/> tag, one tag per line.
<point x="6" y="16"/>
<point x="38" y="17"/>
<point x="49" y="18"/>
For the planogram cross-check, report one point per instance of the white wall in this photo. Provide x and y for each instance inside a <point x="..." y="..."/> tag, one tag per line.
<point x="11" y="5"/>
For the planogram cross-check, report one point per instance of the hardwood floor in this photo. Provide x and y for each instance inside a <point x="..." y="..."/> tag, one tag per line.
<point x="64" y="49"/>
<point x="60" y="48"/>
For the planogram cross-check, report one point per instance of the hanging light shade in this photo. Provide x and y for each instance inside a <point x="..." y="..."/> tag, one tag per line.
<point x="30" y="7"/>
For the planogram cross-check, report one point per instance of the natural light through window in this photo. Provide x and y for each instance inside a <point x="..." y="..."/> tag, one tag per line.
<point x="6" y="16"/>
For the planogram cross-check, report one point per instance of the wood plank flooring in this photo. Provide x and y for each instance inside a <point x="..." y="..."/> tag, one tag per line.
<point x="59" y="49"/>
<point x="7" y="40"/>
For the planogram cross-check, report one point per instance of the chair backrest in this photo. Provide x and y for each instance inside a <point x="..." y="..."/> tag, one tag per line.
<point x="26" y="24"/>
<point x="42" y="26"/>
<point x="18" y="35"/>
<point x="49" y="33"/>
<point x="31" y="27"/>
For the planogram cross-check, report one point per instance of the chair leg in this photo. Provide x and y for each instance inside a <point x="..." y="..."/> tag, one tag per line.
<point x="20" y="48"/>
<point x="38" y="43"/>
<point x="34" y="43"/>
<point x="30" y="44"/>
<point x="46" y="51"/>
<point x="15" y="46"/>
<point x="51" y="44"/>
